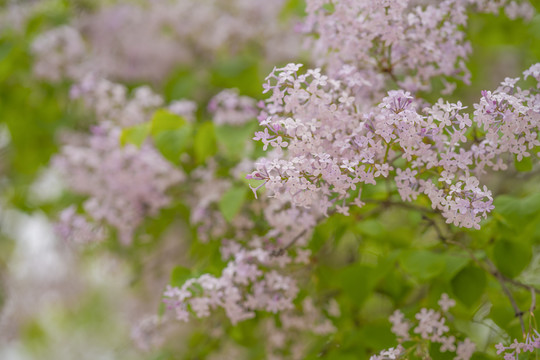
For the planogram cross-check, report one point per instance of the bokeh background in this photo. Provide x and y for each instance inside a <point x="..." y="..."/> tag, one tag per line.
<point x="61" y="301"/>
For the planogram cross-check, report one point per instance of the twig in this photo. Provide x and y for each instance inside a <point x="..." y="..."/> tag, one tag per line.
<point x="533" y="301"/>
<point x="520" y="284"/>
<point x="494" y="270"/>
<point x="510" y="297"/>
<point x="281" y="251"/>
<point x="436" y="227"/>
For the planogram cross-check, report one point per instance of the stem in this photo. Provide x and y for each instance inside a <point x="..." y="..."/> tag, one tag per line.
<point x="387" y="151"/>
<point x="282" y="250"/>
<point x="436" y="227"/>
<point x="510" y="297"/>
<point x="533" y="301"/>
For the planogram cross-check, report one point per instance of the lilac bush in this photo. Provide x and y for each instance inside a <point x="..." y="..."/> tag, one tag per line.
<point x="379" y="190"/>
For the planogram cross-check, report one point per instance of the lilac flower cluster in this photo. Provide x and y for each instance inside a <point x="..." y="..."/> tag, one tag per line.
<point x="60" y="53"/>
<point x="76" y="228"/>
<point x="113" y="105"/>
<point x="431" y="327"/>
<point x="133" y="41"/>
<point x="259" y="276"/>
<point x="327" y="133"/>
<point x="328" y="145"/>
<point x="124" y="184"/>
<point x="254" y="278"/>
<point x="511" y="352"/>
<point x="242" y="288"/>
<point x="326" y="142"/>
<point x="368" y="43"/>
<point x="207" y="192"/>
<point x="229" y="107"/>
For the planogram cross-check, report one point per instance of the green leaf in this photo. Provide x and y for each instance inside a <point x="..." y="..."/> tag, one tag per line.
<point x="422" y="264"/>
<point x="454" y="264"/>
<point x="502" y="314"/>
<point x="204" y="145"/>
<point x="378" y="335"/>
<point x="469" y="284"/>
<point x="244" y="332"/>
<point x="294" y="7"/>
<point x="511" y="257"/>
<point x="232" y="201"/>
<point x="358" y="281"/>
<point x="371" y="227"/>
<point x="517" y="212"/>
<point x="233" y="139"/>
<point x="183" y="83"/>
<point x="173" y="143"/>
<point x="179" y="275"/>
<point x="171" y="134"/>
<point x="135" y="134"/>
<point x="164" y="120"/>
<point x="237" y="72"/>
<point x="524" y="165"/>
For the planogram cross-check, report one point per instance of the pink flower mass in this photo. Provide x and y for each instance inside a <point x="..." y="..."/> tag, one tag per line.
<point x="380" y="187"/>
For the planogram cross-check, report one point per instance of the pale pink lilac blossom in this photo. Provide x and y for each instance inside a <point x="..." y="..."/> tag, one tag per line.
<point x="371" y="44"/>
<point x="131" y="41"/>
<point x="431" y="327"/>
<point x="76" y="228"/>
<point x="124" y="183"/>
<point x="243" y="288"/>
<point x="112" y="104"/>
<point x="229" y="107"/>
<point x="326" y="146"/>
<point x="530" y="344"/>
<point x="60" y="53"/>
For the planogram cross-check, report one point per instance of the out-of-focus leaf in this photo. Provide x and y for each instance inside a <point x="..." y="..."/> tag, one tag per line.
<point x="469" y="284"/>
<point x="454" y="264"/>
<point x="358" y="281"/>
<point x="135" y="134"/>
<point x="171" y="133"/>
<point x="511" y="257"/>
<point x="232" y="201"/>
<point x="524" y="165"/>
<point x="204" y="144"/>
<point x="179" y="275"/>
<point x="233" y="139"/>
<point x="501" y="314"/>
<point x="173" y="143"/>
<point x="238" y="72"/>
<point x="422" y="264"/>
<point x="164" y="120"/>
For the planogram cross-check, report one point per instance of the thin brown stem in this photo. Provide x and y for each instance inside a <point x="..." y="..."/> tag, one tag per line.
<point x="510" y="297"/>
<point x="533" y="301"/>
<point x="436" y="227"/>
<point x="282" y="250"/>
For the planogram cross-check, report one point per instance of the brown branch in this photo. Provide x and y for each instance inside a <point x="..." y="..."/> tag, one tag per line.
<point x="436" y="227"/>
<point x="517" y="311"/>
<point x="281" y="251"/>
<point x="520" y="284"/>
<point x="533" y="301"/>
